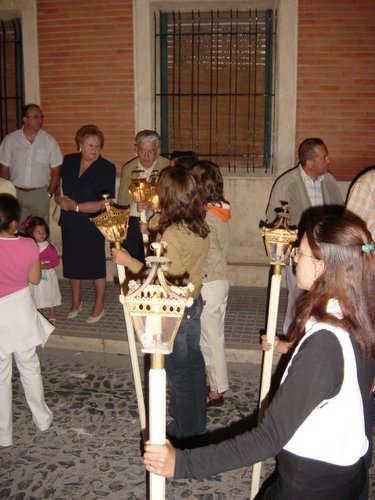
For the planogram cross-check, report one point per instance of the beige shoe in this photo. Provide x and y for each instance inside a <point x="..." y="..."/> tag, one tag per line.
<point x="95" y="319"/>
<point x="74" y="314"/>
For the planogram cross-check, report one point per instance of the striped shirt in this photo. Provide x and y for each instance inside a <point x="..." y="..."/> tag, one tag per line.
<point x="314" y="188"/>
<point x="361" y="200"/>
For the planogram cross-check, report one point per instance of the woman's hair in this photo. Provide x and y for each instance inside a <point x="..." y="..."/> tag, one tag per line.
<point x="348" y="276"/>
<point x="34" y="222"/>
<point x="86" y="131"/>
<point x="210" y="182"/>
<point x="184" y="159"/>
<point x="180" y="201"/>
<point x="10" y="210"/>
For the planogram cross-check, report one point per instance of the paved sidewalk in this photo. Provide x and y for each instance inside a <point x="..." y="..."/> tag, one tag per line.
<point x="93" y="450"/>
<point x="246" y="317"/>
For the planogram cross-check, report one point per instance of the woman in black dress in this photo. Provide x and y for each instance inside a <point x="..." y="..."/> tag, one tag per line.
<point x="86" y="176"/>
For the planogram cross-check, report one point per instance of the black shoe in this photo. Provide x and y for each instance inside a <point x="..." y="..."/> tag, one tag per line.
<point x="215" y="401"/>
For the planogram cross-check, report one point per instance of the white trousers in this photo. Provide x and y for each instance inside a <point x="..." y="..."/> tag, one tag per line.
<point x="31" y="378"/>
<point x="215" y="296"/>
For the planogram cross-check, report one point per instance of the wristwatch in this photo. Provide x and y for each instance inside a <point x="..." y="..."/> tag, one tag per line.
<point x="50" y="194"/>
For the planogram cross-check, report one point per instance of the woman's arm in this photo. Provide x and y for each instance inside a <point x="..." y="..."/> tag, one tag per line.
<point x="315" y="374"/>
<point x="123" y="258"/>
<point x="67" y="203"/>
<point x="35" y="273"/>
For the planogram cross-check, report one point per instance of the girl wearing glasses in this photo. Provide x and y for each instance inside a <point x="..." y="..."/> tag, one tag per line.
<point x="316" y="420"/>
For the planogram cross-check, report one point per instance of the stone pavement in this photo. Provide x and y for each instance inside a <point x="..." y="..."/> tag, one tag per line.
<point x="92" y="450"/>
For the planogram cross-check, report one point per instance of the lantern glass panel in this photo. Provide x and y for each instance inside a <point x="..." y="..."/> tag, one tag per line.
<point x="156" y="332"/>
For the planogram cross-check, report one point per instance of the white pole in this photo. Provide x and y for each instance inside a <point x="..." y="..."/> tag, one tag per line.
<point x="267" y="366"/>
<point x="144" y="236"/>
<point x="157" y="423"/>
<point x="133" y="353"/>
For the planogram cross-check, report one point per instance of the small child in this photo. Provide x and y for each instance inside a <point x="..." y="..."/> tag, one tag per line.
<point x="47" y="292"/>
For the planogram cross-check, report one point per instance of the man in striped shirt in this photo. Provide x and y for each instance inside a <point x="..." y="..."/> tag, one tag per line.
<point x="361" y="199"/>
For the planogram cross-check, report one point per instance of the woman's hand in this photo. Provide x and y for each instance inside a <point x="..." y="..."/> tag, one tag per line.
<point x="281" y="346"/>
<point x="143" y="227"/>
<point x="66" y="203"/>
<point x="142" y="206"/>
<point x="121" y="257"/>
<point x="160" y="458"/>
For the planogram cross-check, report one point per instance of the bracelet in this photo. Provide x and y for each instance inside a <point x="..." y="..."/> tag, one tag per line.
<point x="50" y="194"/>
<point x="77" y="208"/>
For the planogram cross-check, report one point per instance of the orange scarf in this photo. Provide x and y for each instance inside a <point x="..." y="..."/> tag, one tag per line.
<point x="221" y="212"/>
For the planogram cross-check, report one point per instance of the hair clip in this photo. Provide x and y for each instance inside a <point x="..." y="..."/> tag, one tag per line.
<point x="368" y="247"/>
<point x="26" y="222"/>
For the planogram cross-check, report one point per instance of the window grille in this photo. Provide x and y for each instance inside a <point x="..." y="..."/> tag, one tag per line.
<point x="215" y="94"/>
<point x="11" y="76"/>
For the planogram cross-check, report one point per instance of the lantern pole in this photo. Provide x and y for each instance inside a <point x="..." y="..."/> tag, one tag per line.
<point x="113" y="224"/>
<point x="132" y="350"/>
<point x="156" y="311"/>
<point x="157" y="417"/>
<point x="279" y="241"/>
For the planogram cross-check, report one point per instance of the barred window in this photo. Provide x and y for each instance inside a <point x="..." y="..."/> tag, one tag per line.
<point x="11" y="76"/>
<point x="215" y="94"/>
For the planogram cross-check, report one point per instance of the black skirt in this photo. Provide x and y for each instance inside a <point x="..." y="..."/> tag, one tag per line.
<point x="83" y="249"/>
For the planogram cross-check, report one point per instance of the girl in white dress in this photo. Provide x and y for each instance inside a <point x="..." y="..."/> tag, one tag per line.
<point x="47" y="292"/>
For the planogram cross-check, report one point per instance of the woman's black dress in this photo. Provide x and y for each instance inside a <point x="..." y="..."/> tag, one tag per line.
<point x="83" y="245"/>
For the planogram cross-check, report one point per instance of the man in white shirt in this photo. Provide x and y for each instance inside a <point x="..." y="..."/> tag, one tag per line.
<point x="31" y="159"/>
<point x="310" y="190"/>
<point x="147" y="161"/>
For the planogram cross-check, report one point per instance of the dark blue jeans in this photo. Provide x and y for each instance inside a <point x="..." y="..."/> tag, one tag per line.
<point x="186" y="377"/>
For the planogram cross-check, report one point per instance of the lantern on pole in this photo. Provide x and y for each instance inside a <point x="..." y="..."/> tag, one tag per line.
<point x="113" y="224"/>
<point x="279" y="240"/>
<point x="156" y="310"/>
<point x="144" y="191"/>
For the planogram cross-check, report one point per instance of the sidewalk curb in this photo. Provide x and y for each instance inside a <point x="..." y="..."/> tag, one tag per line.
<point x="82" y="341"/>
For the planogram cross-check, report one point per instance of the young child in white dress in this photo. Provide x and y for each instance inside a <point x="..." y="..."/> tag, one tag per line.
<point x="47" y="292"/>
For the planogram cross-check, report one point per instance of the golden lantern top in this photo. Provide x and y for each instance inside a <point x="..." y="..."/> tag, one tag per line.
<point x="141" y="189"/>
<point x="112" y="222"/>
<point x="279" y="239"/>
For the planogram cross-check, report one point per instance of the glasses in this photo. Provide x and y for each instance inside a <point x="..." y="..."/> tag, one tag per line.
<point x="297" y="252"/>
<point x="146" y="152"/>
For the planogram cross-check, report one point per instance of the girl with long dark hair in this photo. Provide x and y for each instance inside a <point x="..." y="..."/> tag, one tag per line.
<point x="316" y="421"/>
<point x="182" y="226"/>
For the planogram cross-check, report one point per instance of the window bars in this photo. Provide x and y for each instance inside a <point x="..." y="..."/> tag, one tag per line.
<point x="11" y="76"/>
<point x="214" y="90"/>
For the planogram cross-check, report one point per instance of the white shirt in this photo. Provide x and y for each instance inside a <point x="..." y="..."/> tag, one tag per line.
<point x="314" y="188"/>
<point x="29" y="163"/>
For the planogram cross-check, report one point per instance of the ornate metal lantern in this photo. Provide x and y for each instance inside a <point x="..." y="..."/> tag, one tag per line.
<point x="279" y="239"/>
<point x="113" y="222"/>
<point x="157" y="309"/>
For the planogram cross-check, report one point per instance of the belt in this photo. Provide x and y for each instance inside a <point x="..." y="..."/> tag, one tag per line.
<point x="29" y="189"/>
